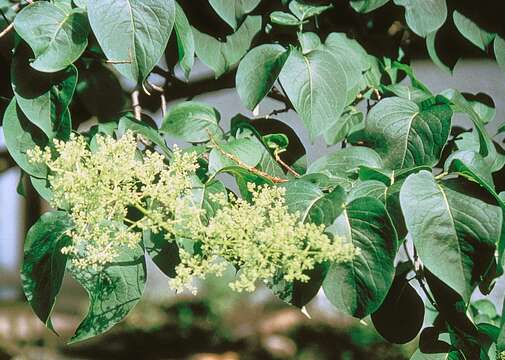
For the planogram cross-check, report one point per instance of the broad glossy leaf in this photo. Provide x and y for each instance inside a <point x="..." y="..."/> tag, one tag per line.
<point x="309" y="41"/>
<point x="185" y="40"/>
<point x="222" y="56"/>
<point x="303" y="10"/>
<point x="44" y="98"/>
<point x="350" y="121"/>
<point x="113" y="292"/>
<point x="365" y="6"/>
<point x="20" y="136"/>
<point x="359" y="287"/>
<point x="233" y="12"/>
<point x="471" y="31"/>
<point x="248" y="151"/>
<point x="316" y="84"/>
<point x="499" y="51"/>
<point x="192" y="122"/>
<point x="424" y="17"/>
<point x="343" y="164"/>
<point x="454" y="232"/>
<point x="44" y="264"/>
<point x="368" y="188"/>
<point x="354" y="60"/>
<point x="284" y="18"/>
<point x="258" y="71"/>
<point x="135" y="32"/>
<point x="313" y="205"/>
<point x="408" y="92"/>
<point x="406" y="135"/>
<point x="57" y="37"/>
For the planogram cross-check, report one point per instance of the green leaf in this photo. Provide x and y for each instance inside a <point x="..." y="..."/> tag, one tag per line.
<point x="303" y="10"/>
<point x="309" y="41"/>
<point x="44" y="98"/>
<point x="248" y="151"/>
<point x="44" y="264"/>
<point x="312" y="203"/>
<point x="419" y="355"/>
<point x="284" y="18"/>
<point x="354" y="60"/>
<point x="365" y="6"/>
<point x="343" y="165"/>
<point x="499" y="51"/>
<point x="233" y="12"/>
<point x="258" y="71"/>
<point x="135" y="32"/>
<point x="432" y="51"/>
<point x="57" y="37"/>
<point x="359" y="287"/>
<point x="408" y="92"/>
<point x="100" y="92"/>
<point x="368" y="188"/>
<point x="406" y="135"/>
<point x="446" y="222"/>
<point x="350" y="121"/>
<point x="299" y="293"/>
<point x="222" y="56"/>
<point x="128" y="122"/>
<point x="185" y="40"/>
<point x="192" y="122"/>
<point x="424" y="17"/>
<point x="400" y="317"/>
<point x="21" y="135"/>
<point x="471" y="31"/>
<point x="113" y="292"/>
<point x="462" y="105"/>
<point x="163" y="252"/>
<point x="316" y="85"/>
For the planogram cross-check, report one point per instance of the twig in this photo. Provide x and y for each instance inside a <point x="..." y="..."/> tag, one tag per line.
<point x="419" y="274"/>
<point x="441" y="175"/>
<point x="137" y="109"/>
<point x="6" y="30"/>
<point x="118" y="61"/>
<point x="278" y="111"/>
<point x="163" y="99"/>
<point x="284" y="165"/>
<point x="240" y="163"/>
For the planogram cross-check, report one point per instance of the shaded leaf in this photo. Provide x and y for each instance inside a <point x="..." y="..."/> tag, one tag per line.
<point x="359" y="287"/>
<point x="446" y="222"/>
<point x="44" y="264"/>
<point x="113" y="292"/>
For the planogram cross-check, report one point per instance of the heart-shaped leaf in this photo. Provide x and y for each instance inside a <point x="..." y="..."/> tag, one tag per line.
<point x="133" y="34"/>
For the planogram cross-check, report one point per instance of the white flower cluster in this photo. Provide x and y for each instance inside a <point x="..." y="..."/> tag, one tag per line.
<point x="100" y="187"/>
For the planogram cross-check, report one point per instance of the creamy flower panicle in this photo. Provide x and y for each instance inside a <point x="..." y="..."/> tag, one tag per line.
<point x="99" y="187"/>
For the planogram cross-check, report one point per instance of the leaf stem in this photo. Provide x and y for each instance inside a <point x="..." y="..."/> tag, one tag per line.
<point x="240" y="163"/>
